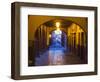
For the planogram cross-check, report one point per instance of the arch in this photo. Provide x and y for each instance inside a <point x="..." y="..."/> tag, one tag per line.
<point x="51" y="22"/>
<point x="36" y="20"/>
<point x="46" y="27"/>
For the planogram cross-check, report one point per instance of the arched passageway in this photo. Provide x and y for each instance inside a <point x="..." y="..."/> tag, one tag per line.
<point x="59" y="42"/>
<point x="57" y="47"/>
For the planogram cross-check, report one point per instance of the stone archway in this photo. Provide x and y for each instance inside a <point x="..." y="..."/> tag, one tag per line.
<point x="35" y="21"/>
<point x="42" y="44"/>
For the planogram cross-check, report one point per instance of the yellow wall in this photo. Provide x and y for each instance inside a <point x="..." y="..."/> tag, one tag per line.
<point x="35" y="21"/>
<point x="74" y="28"/>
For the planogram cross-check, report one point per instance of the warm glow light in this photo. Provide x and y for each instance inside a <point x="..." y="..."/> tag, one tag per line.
<point x="57" y="24"/>
<point x="58" y="31"/>
<point x="49" y="35"/>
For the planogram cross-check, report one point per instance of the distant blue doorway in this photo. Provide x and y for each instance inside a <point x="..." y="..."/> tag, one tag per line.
<point x="58" y="40"/>
<point x="57" y="47"/>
